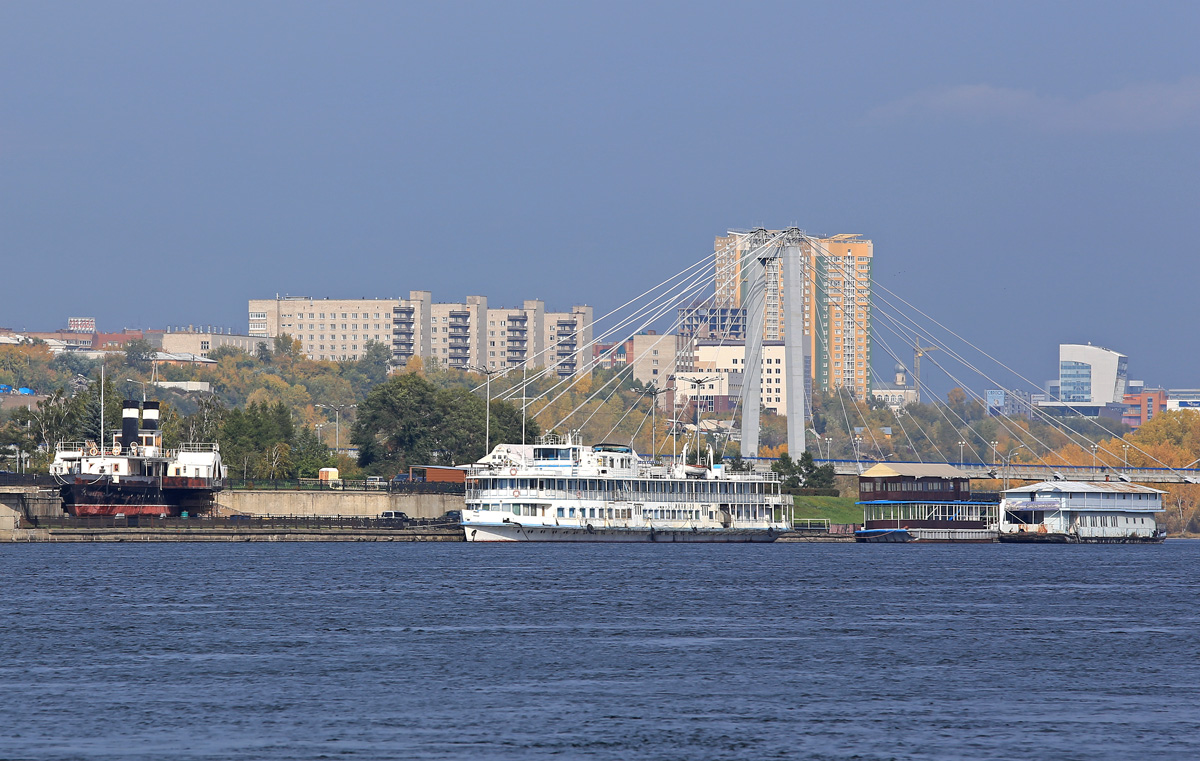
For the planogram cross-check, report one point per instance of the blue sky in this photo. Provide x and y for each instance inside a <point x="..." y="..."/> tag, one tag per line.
<point x="1028" y="171"/>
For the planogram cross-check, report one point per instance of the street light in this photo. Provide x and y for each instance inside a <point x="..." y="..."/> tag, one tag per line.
<point x="487" y="415"/>
<point x="1095" y="448"/>
<point x="994" y="445"/>
<point x="1007" y="463"/>
<point x="143" y="384"/>
<point x="337" y="425"/>
<point x="696" y="400"/>
<point x="653" y="392"/>
<point x="961" y="444"/>
<point x="1125" y="447"/>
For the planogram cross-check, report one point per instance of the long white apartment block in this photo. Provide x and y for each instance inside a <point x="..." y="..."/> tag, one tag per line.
<point x="463" y="335"/>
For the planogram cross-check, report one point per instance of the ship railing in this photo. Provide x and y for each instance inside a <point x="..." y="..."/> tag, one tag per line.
<point x="810" y="524"/>
<point x="314" y="484"/>
<point x="198" y="447"/>
<point x="619" y="495"/>
<point x="73" y="446"/>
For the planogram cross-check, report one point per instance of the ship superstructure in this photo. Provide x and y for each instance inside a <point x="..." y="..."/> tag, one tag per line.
<point x="133" y="474"/>
<point x="561" y="490"/>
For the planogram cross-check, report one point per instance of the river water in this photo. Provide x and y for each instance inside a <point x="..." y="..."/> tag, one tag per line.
<point x="440" y="651"/>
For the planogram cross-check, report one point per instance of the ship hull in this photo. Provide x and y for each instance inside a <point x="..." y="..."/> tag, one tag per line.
<point x="1034" y="537"/>
<point x="515" y="533"/>
<point x="133" y="495"/>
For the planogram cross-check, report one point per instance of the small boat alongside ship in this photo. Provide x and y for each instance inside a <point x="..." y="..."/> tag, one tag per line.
<point x="561" y="490"/>
<point x="134" y="474"/>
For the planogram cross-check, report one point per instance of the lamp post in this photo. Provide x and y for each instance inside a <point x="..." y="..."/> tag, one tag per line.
<point x="1095" y="449"/>
<point x="1125" y="453"/>
<point x="487" y="415"/>
<point x="337" y="424"/>
<point x="961" y="444"/>
<point x="1007" y="464"/>
<point x="696" y="383"/>
<point x="994" y="445"/>
<point x="653" y="392"/>
<point x="319" y="427"/>
<point x="143" y="385"/>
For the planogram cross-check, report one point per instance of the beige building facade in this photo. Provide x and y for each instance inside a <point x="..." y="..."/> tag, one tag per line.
<point x="462" y="335"/>
<point x="328" y="329"/>
<point x="200" y="343"/>
<point x="723" y="358"/>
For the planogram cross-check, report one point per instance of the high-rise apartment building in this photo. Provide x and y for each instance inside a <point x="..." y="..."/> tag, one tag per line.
<point x="462" y="335"/>
<point x="837" y="303"/>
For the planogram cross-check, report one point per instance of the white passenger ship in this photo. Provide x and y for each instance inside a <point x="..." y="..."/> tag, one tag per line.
<point x="562" y="491"/>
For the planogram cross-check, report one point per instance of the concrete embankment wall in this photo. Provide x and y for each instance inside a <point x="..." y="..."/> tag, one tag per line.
<point x="439" y="534"/>
<point x="36" y="501"/>
<point x="364" y="504"/>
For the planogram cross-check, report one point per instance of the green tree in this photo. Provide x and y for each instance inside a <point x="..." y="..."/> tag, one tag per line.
<point x="787" y="471"/>
<point x="408" y="421"/>
<point x="813" y="476"/>
<point x="139" y="354"/>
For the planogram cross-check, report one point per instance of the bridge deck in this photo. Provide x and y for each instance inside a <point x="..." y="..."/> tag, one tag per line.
<point x="1033" y="472"/>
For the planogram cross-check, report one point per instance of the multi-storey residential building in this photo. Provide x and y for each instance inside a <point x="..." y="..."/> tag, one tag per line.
<point x="517" y="336"/>
<point x="654" y="357"/>
<point x="712" y="319"/>
<point x="412" y="327"/>
<point x="568" y="341"/>
<point x="458" y="337"/>
<point x="333" y="329"/>
<point x="837" y="304"/>
<point x="462" y="335"/>
<point x="727" y="357"/>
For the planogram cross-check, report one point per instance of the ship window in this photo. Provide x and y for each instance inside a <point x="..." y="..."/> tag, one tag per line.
<point x="516" y="509"/>
<point x="571" y="512"/>
<point x="560" y="512"/>
<point x="562" y="484"/>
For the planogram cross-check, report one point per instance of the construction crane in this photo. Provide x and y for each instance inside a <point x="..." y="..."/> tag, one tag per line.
<point x="919" y="352"/>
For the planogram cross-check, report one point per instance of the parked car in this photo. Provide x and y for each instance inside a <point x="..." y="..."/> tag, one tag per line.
<point x="394" y="515"/>
<point x="453" y="515"/>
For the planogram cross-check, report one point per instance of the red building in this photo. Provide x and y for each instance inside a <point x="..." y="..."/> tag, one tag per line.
<point x="1143" y="406"/>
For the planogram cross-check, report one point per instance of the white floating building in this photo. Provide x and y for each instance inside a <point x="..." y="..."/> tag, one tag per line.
<point x="1081" y="511"/>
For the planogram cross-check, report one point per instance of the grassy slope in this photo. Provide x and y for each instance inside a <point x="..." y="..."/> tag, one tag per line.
<point x="836" y="509"/>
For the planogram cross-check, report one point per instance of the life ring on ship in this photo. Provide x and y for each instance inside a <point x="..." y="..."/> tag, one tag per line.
<point x="133" y="449"/>
<point x="516" y="492"/>
<point x="512" y="471"/>
<point x="578" y="494"/>
<point x="93" y="450"/>
<point x="116" y="449"/>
